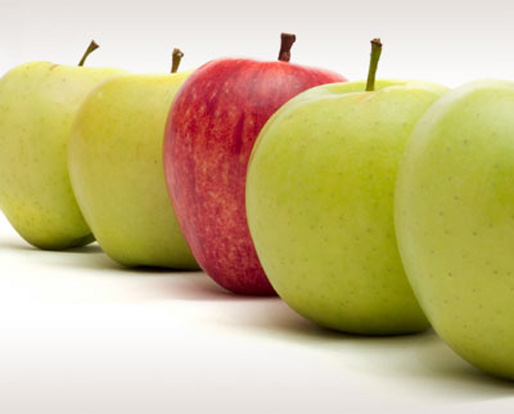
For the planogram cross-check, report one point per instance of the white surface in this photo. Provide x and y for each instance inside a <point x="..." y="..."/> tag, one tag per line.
<point x="78" y="334"/>
<point x="81" y="335"/>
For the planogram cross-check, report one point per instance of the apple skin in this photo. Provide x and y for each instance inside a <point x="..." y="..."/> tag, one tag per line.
<point x="213" y="124"/>
<point x="115" y="164"/>
<point x="319" y="199"/>
<point x="38" y="103"/>
<point x="455" y="221"/>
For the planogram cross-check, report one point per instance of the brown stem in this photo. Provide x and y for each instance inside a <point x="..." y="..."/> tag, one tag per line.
<point x="286" y="42"/>
<point x="376" y="50"/>
<point x="92" y="47"/>
<point x="176" y="58"/>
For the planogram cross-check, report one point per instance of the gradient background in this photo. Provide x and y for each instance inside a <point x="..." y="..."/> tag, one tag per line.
<point x="78" y="334"/>
<point x="442" y="41"/>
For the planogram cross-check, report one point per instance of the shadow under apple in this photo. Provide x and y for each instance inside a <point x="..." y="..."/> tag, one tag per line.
<point x="422" y="364"/>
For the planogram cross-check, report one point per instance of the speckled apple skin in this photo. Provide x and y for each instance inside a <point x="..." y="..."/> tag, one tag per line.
<point x="213" y="124"/>
<point x="38" y="103"/>
<point x="455" y="221"/>
<point x="320" y="204"/>
<point x="115" y="166"/>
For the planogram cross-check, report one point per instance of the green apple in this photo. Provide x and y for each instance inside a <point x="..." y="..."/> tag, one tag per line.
<point x="319" y="199"/>
<point x="38" y="102"/>
<point x="455" y="221"/>
<point x="116" y="170"/>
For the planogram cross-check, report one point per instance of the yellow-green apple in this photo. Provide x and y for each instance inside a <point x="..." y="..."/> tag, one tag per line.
<point x="116" y="171"/>
<point x="212" y="126"/>
<point x="454" y="215"/>
<point x="38" y="102"/>
<point x="319" y="199"/>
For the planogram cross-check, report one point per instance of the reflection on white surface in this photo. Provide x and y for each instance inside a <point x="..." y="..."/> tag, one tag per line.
<point x="83" y="335"/>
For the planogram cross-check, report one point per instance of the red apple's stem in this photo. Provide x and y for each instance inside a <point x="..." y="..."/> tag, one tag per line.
<point x="286" y="42"/>
<point x="92" y="47"/>
<point x="176" y="58"/>
<point x="376" y="50"/>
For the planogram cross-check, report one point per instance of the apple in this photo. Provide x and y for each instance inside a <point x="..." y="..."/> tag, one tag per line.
<point x="213" y="123"/>
<point x="455" y="221"/>
<point x="319" y="200"/>
<point x="116" y="171"/>
<point x="38" y="102"/>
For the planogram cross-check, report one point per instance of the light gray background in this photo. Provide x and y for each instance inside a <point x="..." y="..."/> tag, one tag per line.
<point x="80" y="335"/>
<point x="441" y="40"/>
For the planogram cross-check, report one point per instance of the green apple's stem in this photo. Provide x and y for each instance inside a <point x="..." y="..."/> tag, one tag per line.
<point x="176" y="58"/>
<point x="376" y="50"/>
<point x="286" y="42"/>
<point x="92" y="47"/>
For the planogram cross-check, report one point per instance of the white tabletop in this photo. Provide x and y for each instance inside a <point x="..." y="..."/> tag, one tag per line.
<point x="79" y="334"/>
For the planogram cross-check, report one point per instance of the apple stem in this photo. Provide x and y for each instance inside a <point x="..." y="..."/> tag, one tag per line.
<point x="286" y="42"/>
<point x="176" y="58"/>
<point x="376" y="50"/>
<point x="92" y="47"/>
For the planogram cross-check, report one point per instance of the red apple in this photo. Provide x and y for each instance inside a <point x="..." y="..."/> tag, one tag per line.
<point x="212" y="126"/>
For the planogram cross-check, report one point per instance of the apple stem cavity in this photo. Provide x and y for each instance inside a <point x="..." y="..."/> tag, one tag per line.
<point x="286" y="42"/>
<point x="91" y="48"/>
<point x="376" y="50"/>
<point x="176" y="58"/>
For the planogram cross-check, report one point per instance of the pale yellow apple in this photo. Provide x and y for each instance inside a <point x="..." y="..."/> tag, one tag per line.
<point x="38" y="102"/>
<point x="115" y="161"/>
